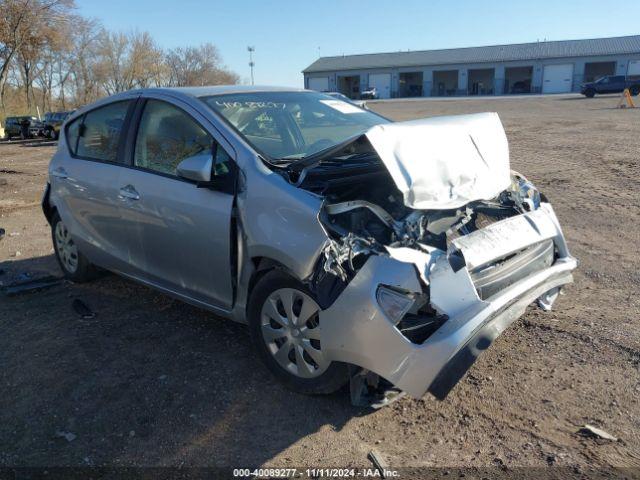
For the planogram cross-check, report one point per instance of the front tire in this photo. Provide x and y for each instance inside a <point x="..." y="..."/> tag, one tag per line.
<point x="590" y="93"/>
<point x="73" y="263"/>
<point x="285" y="329"/>
<point x="635" y="90"/>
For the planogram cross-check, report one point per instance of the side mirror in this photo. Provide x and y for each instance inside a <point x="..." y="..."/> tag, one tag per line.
<point x="196" y="168"/>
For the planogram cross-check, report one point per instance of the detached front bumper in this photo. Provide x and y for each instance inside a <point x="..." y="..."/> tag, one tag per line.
<point x="355" y="330"/>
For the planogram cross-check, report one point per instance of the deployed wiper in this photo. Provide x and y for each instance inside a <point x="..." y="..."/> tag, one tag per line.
<point x="311" y="160"/>
<point x="293" y="156"/>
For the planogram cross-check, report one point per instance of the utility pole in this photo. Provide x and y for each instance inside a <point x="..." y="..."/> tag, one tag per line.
<point x="251" y="62"/>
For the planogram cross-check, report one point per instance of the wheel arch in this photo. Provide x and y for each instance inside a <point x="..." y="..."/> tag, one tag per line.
<point x="262" y="266"/>
<point x="48" y="208"/>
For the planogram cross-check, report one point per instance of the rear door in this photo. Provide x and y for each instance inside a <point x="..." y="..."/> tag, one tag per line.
<point x="617" y="84"/>
<point x="84" y="177"/>
<point x="182" y="239"/>
<point x="611" y="84"/>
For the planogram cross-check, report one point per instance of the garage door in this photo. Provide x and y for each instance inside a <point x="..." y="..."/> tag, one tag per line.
<point x="557" y="78"/>
<point x="319" y="84"/>
<point x="382" y="82"/>
<point x="634" y="67"/>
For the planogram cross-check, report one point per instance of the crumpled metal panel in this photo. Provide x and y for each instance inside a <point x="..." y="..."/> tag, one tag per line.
<point x="508" y="236"/>
<point x="355" y="329"/>
<point x="445" y="162"/>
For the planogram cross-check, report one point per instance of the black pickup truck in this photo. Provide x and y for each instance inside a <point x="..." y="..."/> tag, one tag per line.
<point x="611" y="84"/>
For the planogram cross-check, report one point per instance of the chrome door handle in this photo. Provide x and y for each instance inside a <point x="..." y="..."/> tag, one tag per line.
<point x="128" y="192"/>
<point x="59" y="173"/>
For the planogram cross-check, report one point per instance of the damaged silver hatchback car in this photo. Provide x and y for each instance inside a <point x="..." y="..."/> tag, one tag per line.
<point x="357" y="249"/>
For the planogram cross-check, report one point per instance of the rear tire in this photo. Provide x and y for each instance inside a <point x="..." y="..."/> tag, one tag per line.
<point x="290" y="347"/>
<point x="635" y="90"/>
<point x="73" y="263"/>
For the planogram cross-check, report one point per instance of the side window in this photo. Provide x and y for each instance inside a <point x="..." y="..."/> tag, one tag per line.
<point x="100" y="132"/>
<point x="73" y="132"/>
<point x="166" y="136"/>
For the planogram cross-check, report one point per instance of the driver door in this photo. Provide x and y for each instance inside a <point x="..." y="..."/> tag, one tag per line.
<point x="181" y="233"/>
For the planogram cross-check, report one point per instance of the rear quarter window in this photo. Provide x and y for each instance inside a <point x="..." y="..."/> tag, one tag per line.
<point x="99" y="135"/>
<point x="73" y="131"/>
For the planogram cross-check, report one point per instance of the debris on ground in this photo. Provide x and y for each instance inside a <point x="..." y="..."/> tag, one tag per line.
<point x="378" y="461"/>
<point x="82" y="309"/>
<point x="30" y="286"/>
<point x="68" y="436"/>
<point x="591" y="431"/>
<point x="2" y="232"/>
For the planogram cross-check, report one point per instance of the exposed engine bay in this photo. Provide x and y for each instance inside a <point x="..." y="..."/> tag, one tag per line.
<point x="365" y="213"/>
<point x="437" y="200"/>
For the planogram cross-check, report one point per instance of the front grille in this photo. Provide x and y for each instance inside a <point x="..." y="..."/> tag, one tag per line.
<point x="498" y="275"/>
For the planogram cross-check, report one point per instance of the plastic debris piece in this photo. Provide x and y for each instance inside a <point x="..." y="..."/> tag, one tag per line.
<point x="68" y="436"/>
<point x="591" y="431"/>
<point x="378" y="462"/>
<point x="82" y="309"/>
<point x="31" y="286"/>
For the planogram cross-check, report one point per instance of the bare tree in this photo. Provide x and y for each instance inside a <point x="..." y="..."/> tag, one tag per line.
<point x="197" y="66"/>
<point x="25" y="27"/>
<point x="77" y="65"/>
<point x="53" y="58"/>
<point x="128" y="60"/>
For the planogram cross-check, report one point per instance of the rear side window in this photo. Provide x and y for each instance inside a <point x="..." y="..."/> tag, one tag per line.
<point x="99" y="135"/>
<point x="73" y="131"/>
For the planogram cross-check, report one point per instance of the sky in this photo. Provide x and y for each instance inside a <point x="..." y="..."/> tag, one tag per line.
<point x="289" y="35"/>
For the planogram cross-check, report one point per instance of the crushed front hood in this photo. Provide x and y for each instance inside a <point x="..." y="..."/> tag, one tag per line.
<point x="445" y="162"/>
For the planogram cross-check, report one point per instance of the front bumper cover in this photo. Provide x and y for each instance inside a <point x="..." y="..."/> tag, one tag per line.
<point x="356" y="331"/>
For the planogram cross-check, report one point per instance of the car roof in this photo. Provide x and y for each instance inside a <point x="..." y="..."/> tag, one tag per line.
<point x="188" y="92"/>
<point x="219" y="90"/>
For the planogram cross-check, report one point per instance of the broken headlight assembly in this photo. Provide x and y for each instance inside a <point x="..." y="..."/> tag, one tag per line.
<point x="524" y="193"/>
<point x="393" y="303"/>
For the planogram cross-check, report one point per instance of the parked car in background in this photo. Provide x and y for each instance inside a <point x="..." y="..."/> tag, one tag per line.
<point x="521" y="86"/>
<point x="344" y="98"/>
<point x="385" y="254"/>
<point x="36" y="128"/>
<point x="611" y="84"/>
<point x="53" y="122"/>
<point x="23" y="127"/>
<point x="370" y="93"/>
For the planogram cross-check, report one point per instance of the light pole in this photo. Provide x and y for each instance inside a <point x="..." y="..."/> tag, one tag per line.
<point x="251" y="62"/>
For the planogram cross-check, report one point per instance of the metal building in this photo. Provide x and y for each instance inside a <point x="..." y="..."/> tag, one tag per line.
<point x="539" y="67"/>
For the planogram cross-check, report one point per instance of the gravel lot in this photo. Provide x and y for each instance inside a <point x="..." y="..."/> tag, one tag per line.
<point x="151" y="381"/>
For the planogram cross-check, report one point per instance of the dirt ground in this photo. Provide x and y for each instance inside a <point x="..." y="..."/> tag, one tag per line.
<point x="151" y="381"/>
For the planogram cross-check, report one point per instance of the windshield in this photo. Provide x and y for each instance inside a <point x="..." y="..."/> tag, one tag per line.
<point x="292" y="125"/>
